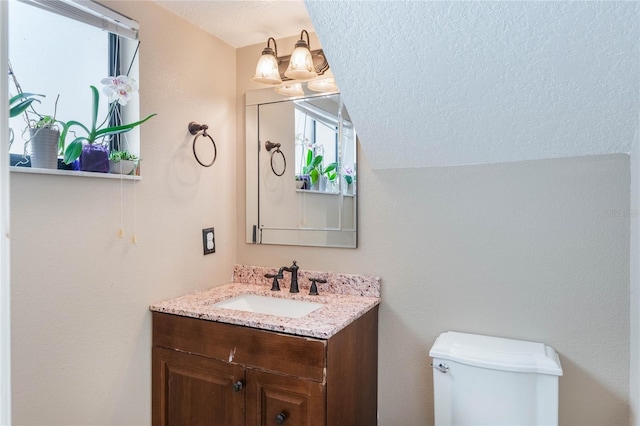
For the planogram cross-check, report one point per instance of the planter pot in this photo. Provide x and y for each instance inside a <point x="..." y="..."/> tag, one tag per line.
<point x="348" y="188"/>
<point x="322" y="187"/>
<point x="75" y="165"/>
<point x="303" y="182"/>
<point x="44" y="147"/>
<point x="122" y="167"/>
<point x="94" y="158"/>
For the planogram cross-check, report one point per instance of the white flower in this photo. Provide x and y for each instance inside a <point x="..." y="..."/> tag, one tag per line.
<point x="119" y="88"/>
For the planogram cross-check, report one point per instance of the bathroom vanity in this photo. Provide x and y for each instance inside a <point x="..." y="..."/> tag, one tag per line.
<point x="220" y="366"/>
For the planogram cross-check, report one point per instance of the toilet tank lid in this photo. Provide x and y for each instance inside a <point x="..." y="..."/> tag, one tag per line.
<point x="497" y="353"/>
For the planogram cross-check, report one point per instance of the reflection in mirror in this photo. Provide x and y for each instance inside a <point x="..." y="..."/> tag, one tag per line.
<point x="301" y="171"/>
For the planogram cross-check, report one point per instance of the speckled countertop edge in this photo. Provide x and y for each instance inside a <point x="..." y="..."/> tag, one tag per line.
<point x="339" y="311"/>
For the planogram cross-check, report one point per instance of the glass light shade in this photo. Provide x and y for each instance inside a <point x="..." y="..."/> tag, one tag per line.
<point x="325" y="85"/>
<point x="267" y="70"/>
<point x="290" y="90"/>
<point x="301" y="64"/>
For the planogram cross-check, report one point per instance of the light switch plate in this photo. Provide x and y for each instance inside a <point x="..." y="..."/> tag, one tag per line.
<point x="208" y="241"/>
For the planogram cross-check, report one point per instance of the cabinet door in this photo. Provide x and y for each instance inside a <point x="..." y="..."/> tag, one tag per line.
<point x="274" y="399"/>
<point x="193" y="390"/>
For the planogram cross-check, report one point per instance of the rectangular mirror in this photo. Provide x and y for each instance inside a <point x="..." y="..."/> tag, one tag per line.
<point x="301" y="170"/>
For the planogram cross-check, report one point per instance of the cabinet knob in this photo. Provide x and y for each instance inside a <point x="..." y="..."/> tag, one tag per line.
<point x="237" y="386"/>
<point x="280" y="418"/>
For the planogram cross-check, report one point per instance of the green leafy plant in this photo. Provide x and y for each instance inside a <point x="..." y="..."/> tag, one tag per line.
<point x="21" y="102"/>
<point x="117" y="156"/>
<point x="313" y="166"/>
<point x="331" y="172"/>
<point x="94" y="132"/>
<point x="45" y="121"/>
<point x="349" y="175"/>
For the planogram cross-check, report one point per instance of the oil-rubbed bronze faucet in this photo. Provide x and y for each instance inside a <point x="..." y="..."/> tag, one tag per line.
<point x="313" y="291"/>
<point x="275" y="285"/>
<point x="294" y="276"/>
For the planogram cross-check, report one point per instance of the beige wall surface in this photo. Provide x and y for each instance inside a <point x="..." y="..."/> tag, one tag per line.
<point x="532" y="250"/>
<point x="80" y="294"/>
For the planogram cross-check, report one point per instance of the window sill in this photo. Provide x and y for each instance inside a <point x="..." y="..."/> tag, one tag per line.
<point x="315" y="191"/>
<point x="57" y="172"/>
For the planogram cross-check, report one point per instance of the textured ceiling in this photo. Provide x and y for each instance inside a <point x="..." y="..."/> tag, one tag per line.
<point x="449" y="83"/>
<point x="242" y="23"/>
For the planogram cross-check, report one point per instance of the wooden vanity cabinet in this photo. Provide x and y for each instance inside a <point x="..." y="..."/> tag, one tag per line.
<point x="197" y="389"/>
<point x="211" y="373"/>
<point x="273" y="397"/>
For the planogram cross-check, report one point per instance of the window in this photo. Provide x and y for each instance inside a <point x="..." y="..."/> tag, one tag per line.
<point x="319" y="153"/>
<point x="313" y="135"/>
<point x="55" y="55"/>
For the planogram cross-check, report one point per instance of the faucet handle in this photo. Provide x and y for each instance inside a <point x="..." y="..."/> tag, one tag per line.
<point x="275" y="286"/>
<point x="313" y="291"/>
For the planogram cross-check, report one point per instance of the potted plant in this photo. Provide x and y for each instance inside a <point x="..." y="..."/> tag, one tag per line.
<point x="329" y="175"/>
<point x="349" y="177"/>
<point x="122" y="162"/>
<point x="312" y="168"/>
<point x="92" y="148"/>
<point x="303" y="181"/>
<point x="43" y="130"/>
<point x="318" y="174"/>
<point x="44" y="137"/>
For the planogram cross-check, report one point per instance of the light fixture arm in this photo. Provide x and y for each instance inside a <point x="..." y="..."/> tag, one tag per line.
<point x="275" y="45"/>
<point x="308" y="42"/>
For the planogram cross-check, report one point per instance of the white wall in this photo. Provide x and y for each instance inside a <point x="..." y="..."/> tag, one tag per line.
<point x="530" y="250"/>
<point x="81" y="325"/>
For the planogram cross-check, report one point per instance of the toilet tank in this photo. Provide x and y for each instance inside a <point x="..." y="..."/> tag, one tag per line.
<point x="484" y="380"/>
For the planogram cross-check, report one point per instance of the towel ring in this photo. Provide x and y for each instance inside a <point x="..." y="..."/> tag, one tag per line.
<point x="201" y="130"/>
<point x="270" y="145"/>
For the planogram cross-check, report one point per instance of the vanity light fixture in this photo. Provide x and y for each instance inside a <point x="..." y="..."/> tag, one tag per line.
<point x="267" y="69"/>
<point x="294" y="89"/>
<point x="301" y="64"/>
<point x="327" y="84"/>
<point x="288" y="72"/>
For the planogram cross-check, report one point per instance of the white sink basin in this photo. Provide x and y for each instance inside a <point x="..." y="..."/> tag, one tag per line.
<point x="269" y="305"/>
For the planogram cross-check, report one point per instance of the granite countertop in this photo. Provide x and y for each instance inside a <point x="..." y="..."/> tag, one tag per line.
<point x="346" y="298"/>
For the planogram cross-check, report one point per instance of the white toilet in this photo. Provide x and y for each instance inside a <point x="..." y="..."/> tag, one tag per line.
<point x="482" y="380"/>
